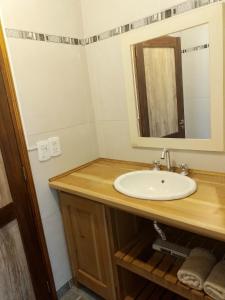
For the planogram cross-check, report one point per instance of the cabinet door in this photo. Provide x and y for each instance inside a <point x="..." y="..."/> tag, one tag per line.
<point x="88" y="244"/>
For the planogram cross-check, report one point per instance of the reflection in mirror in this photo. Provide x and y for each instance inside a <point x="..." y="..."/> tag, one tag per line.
<point x="172" y="83"/>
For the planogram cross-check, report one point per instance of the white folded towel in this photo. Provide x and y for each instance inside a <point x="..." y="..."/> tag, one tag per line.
<point x="215" y="283"/>
<point x="196" y="268"/>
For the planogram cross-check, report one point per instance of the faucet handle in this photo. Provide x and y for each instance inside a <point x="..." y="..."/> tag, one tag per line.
<point x="157" y="165"/>
<point x="184" y="169"/>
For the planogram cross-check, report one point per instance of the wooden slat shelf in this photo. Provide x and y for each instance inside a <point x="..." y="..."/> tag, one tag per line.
<point x="148" y="290"/>
<point x="161" y="269"/>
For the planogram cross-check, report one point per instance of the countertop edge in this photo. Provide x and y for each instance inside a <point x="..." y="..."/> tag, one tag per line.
<point x="134" y="209"/>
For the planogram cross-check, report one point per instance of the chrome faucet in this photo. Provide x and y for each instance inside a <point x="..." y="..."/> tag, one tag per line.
<point x="166" y="155"/>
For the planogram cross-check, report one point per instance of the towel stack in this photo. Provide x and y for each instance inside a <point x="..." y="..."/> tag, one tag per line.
<point x="196" y="268"/>
<point x="200" y="272"/>
<point x="215" y="283"/>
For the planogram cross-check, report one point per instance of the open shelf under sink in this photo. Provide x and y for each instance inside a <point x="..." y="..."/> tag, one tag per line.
<point x="139" y="257"/>
<point x="148" y="290"/>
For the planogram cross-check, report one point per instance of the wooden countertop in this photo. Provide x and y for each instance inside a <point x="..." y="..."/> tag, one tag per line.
<point x="203" y="212"/>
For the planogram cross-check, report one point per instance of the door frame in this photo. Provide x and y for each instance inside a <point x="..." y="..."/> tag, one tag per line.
<point x="33" y="235"/>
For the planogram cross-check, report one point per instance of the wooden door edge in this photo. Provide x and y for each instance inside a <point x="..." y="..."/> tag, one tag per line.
<point x="17" y="124"/>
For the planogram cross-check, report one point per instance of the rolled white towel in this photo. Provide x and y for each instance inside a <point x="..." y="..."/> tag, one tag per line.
<point x="196" y="268"/>
<point x="215" y="283"/>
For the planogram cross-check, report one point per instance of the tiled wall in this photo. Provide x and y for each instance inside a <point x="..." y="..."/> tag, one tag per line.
<point x="43" y="37"/>
<point x="53" y="92"/>
<point x="108" y="84"/>
<point x="153" y="18"/>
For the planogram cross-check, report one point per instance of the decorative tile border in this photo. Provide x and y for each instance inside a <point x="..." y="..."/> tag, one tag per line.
<point x="165" y="14"/>
<point x="196" y="48"/>
<point x="43" y="37"/>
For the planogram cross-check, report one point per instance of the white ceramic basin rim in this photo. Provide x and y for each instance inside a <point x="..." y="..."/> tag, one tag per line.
<point x="155" y="185"/>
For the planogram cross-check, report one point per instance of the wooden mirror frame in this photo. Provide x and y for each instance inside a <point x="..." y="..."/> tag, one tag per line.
<point x="214" y="16"/>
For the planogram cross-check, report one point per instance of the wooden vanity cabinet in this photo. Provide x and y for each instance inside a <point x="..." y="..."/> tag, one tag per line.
<point x="88" y="244"/>
<point x="111" y="252"/>
<point x="110" y="238"/>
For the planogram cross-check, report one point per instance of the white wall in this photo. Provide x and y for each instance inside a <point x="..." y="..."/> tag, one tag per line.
<point x="101" y="15"/>
<point x="53" y="93"/>
<point x="108" y="86"/>
<point x="52" y="86"/>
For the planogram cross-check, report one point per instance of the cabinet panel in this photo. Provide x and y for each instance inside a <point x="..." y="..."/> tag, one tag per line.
<point x="88" y="244"/>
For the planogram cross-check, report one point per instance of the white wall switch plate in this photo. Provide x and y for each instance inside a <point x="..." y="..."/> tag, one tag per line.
<point x="43" y="150"/>
<point x="54" y="146"/>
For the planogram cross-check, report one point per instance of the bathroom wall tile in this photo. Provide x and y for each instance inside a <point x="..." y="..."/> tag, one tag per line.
<point x="44" y="37"/>
<point x="167" y="9"/>
<point x="107" y="85"/>
<point x="52" y="80"/>
<point x="114" y="14"/>
<point x="52" y="88"/>
<point x="73" y="141"/>
<point x="100" y="138"/>
<point x="113" y="133"/>
<point x="43" y="16"/>
<point x="115" y="143"/>
<point x="139" y="23"/>
<point x="113" y="139"/>
<point x="56" y="245"/>
<point x="168" y="12"/>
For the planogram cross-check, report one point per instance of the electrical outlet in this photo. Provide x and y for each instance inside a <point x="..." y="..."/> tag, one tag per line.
<point x="43" y="150"/>
<point x="54" y="146"/>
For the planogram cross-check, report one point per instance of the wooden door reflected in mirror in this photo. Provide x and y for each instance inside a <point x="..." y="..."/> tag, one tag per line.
<point x="201" y="36"/>
<point x="160" y="87"/>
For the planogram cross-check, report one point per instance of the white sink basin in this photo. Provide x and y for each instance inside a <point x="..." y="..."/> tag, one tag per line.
<point x="155" y="185"/>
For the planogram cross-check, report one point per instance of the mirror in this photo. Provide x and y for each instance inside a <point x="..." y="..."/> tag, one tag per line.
<point x="174" y="75"/>
<point x="172" y="84"/>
